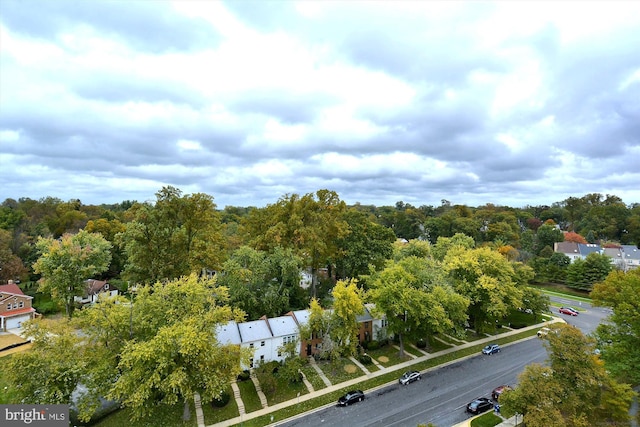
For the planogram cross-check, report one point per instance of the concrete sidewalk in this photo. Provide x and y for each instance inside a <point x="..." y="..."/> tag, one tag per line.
<point x="401" y="367"/>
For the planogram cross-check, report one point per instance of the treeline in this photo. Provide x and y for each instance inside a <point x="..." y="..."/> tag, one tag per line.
<point x="179" y="234"/>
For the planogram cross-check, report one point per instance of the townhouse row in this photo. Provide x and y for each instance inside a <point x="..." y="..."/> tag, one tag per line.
<point x="267" y="336"/>
<point x="623" y="257"/>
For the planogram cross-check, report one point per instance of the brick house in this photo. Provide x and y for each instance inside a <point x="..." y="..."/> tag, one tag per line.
<point x="15" y="307"/>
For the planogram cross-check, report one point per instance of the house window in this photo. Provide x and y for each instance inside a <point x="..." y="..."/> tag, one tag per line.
<point x="279" y="353"/>
<point x="21" y="304"/>
<point x="9" y="307"/>
<point x="251" y="345"/>
<point x="262" y="344"/>
<point x="251" y="362"/>
<point x="262" y="358"/>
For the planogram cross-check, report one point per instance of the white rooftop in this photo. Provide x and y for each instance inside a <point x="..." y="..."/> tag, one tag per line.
<point x="255" y="330"/>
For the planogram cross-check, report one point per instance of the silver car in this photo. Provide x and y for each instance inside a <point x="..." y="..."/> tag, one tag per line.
<point x="409" y="377"/>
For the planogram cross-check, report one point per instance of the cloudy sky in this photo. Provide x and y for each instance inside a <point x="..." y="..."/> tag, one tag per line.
<point x="510" y="103"/>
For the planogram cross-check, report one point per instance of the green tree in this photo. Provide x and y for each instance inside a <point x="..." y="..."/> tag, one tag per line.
<point x="366" y="244"/>
<point x="546" y="236"/>
<point x="177" y="236"/>
<point x="575" y="390"/>
<point x="67" y="262"/>
<point x="253" y="287"/>
<point x="620" y="335"/>
<point x="173" y="351"/>
<point x="50" y="371"/>
<point x="311" y="225"/>
<point x="444" y="244"/>
<point x="413" y="296"/>
<point x="583" y="274"/>
<point x="487" y="279"/>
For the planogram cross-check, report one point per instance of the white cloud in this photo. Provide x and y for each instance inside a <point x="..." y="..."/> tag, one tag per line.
<point x="413" y="101"/>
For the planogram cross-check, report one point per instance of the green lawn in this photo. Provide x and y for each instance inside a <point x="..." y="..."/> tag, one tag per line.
<point x="313" y="377"/>
<point x="562" y="290"/>
<point x="487" y="420"/>
<point x="434" y="345"/>
<point x="336" y="372"/>
<point x="388" y="355"/>
<point x="449" y="339"/>
<point x="214" y="414"/>
<point x="249" y="396"/>
<point x="163" y="415"/>
<point x="471" y="336"/>
<point x="286" y="390"/>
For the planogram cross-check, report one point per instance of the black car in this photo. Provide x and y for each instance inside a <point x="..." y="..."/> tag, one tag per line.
<point x="351" y="397"/>
<point x="480" y="405"/>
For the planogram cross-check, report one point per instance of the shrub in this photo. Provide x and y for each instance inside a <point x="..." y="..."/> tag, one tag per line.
<point x="365" y="359"/>
<point x="373" y="345"/>
<point x="244" y="376"/>
<point x="222" y="400"/>
<point x="421" y="344"/>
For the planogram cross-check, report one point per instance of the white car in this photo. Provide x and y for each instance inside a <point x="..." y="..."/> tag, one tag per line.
<point x="543" y="332"/>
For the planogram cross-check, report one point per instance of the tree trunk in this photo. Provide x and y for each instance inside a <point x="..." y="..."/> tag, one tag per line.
<point x="314" y="280"/>
<point x="401" y="346"/>
<point x="186" y="412"/>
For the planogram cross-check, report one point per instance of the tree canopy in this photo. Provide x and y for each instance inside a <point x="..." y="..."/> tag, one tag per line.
<point x="574" y="390"/>
<point x="67" y="262"/>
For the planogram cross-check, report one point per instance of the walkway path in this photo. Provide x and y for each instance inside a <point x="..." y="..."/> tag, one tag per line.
<point x="315" y="366"/>
<point x="401" y="367"/>
<point x="238" y="397"/>
<point x="263" y="398"/>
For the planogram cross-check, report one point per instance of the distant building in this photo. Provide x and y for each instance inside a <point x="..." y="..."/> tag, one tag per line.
<point x="15" y="307"/>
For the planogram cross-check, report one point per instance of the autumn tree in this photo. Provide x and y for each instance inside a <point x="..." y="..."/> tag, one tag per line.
<point x="444" y="244"/>
<point x="348" y="304"/>
<point x="620" y="335"/>
<point x="311" y="225"/>
<point x="50" y="371"/>
<point x="177" y="236"/>
<point x="67" y="262"/>
<point x="572" y="236"/>
<point x="574" y="390"/>
<point x="486" y="278"/>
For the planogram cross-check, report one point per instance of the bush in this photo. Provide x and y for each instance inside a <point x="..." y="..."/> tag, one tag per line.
<point x="244" y="376"/>
<point x="373" y="345"/>
<point x="421" y="344"/>
<point x="365" y="359"/>
<point x="222" y="400"/>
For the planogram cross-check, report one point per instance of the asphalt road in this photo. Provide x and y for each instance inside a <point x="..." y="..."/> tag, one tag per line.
<point x="442" y="394"/>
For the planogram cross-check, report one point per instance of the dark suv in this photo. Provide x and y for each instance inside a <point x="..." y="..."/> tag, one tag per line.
<point x="351" y="397"/>
<point x="480" y="405"/>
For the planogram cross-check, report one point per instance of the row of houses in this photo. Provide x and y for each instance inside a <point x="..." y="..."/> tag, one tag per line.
<point x="623" y="257"/>
<point x="266" y="337"/>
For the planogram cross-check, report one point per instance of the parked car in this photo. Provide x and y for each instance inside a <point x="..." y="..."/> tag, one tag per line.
<point x="351" y="397"/>
<point x="495" y="394"/>
<point x="409" y="377"/>
<point x="491" y="348"/>
<point x="568" y="310"/>
<point x="480" y="405"/>
<point x="543" y="332"/>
